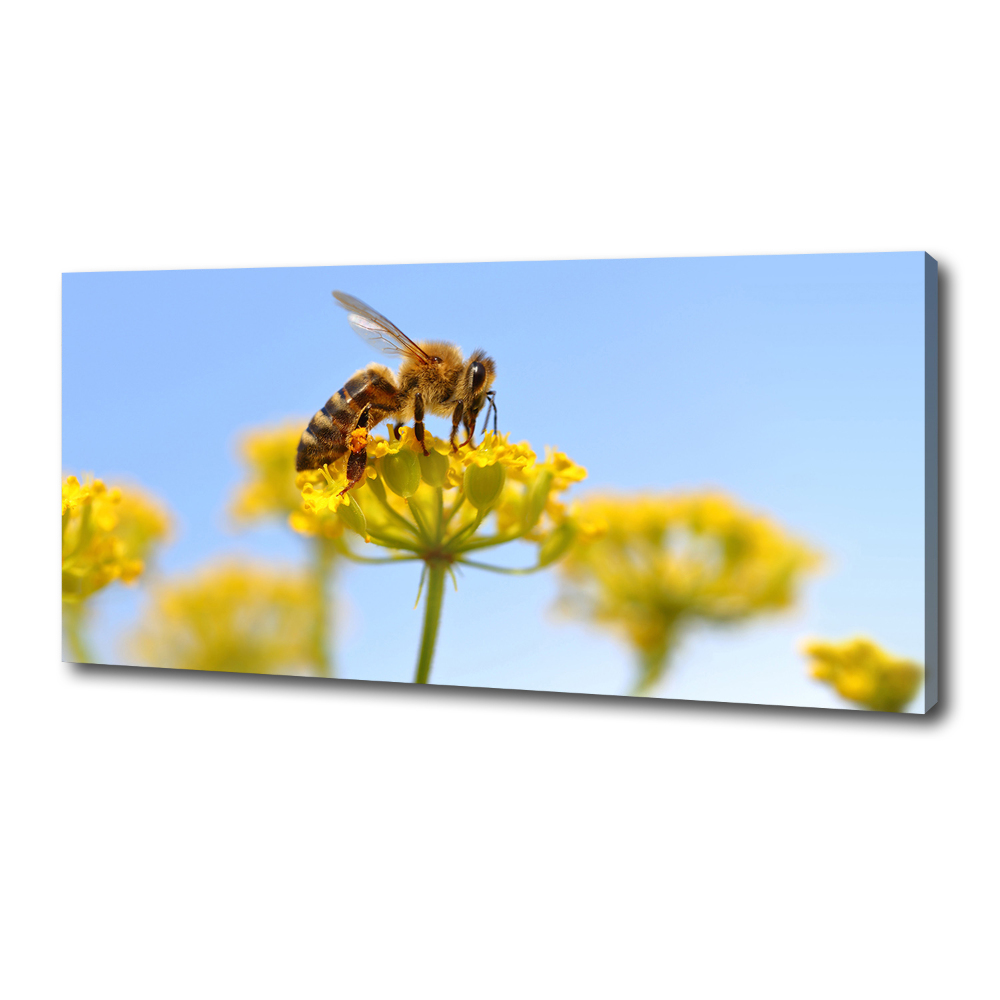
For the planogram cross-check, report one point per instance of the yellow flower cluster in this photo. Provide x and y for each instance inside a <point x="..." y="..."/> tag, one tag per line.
<point x="268" y="453"/>
<point x="232" y="617"/>
<point x="270" y="491"/>
<point x="438" y="501"/>
<point x="106" y="535"/>
<point x="862" y="672"/>
<point x="648" y="566"/>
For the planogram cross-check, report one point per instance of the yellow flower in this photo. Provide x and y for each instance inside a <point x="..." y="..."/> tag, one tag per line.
<point x="379" y="447"/>
<point x="435" y="504"/>
<point x="323" y="489"/>
<point x="496" y="449"/>
<point x="862" y="672"/>
<point x="649" y="566"/>
<point x="75" y="494"/>
<point x="564" y="470"/>
<point x="106" y="535"/>
<point x="234" y="617"/>
<point x="442" y="506"/>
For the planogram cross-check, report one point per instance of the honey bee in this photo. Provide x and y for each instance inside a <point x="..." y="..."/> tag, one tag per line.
<point x="433" y="378"/>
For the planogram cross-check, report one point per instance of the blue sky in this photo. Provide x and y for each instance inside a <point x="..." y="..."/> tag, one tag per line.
<point x="794" y="383"/>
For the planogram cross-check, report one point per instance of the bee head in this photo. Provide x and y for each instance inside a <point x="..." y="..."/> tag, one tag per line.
<point x="476" y="381"/>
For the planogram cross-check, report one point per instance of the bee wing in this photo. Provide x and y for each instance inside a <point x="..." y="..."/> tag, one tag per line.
<point x="377" y="330"/>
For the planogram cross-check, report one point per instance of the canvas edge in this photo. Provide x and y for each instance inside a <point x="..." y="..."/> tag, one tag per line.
<point x="932" y="486"/>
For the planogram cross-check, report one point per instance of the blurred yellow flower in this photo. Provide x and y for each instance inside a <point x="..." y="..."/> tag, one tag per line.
<point x="270" y="491"/>
<point x="649" y="566"/>
<point x="235" y="617"/>
<point x="268" y="453"/>
<point x="106" y="535"/>
<point x="862" y="672"/>
<point x="564" y="470"/>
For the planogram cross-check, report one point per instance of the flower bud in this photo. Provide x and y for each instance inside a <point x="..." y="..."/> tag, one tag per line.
<point x="434" y="468"/>
<point x="375" y="484"/>
<point x="401" y="472"/>
<point x="556" y="544"/>
<point x="353" y="516"/>
<point x="484" y="484"/>
<point x="538" y="494"/>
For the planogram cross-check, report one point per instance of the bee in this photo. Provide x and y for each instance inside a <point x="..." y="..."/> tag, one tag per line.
<point x="433" y="377"/>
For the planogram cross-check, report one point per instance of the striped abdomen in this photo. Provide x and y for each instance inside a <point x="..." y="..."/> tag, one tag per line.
<point x="326" y="438"/>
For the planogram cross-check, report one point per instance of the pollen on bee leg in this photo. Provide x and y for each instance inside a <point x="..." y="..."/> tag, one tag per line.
<point x="359" y="439"/>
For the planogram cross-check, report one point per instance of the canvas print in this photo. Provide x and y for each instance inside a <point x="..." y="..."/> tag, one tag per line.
<point x="711" y="479"/>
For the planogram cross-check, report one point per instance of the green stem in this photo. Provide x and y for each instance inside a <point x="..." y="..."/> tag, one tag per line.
<point x="366" y="559"/>
<point x="470" y="529"/>
<point x="653" y="665"/>
<point x="501" y="569"/>
<point x="426" y="535"/>
<point x="411" y="528"/>
<point x="491" y="540"/>
<point x="436" y="569"/>
<point x="73" y="615"/>
<point x="323" y="562"/>
<point x="453" y="511"/>
<point x="394" y="542"/>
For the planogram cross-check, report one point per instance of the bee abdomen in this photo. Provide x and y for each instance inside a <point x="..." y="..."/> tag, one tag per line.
<point x="326" y="438"/>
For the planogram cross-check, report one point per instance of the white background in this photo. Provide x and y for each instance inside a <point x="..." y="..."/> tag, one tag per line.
<point x="195" y="836"/>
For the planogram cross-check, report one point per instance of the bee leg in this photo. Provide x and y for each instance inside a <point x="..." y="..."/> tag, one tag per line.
<point x="418" y="421"/>
<point x="357" y="461"/>
<point x="491" y="396"/>
<point x="470" y="425"/>
<point x="396" y="429"/>
<point x="356" y="466"/>
<point x="456" y="419"/>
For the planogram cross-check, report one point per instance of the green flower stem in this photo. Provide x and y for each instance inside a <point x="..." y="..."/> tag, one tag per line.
<point x="73" y="615"/>
<point x="391" y="542"/>
<point x="653" y="665"/>
<point x="411" y="528"/>
<point x="502" y="569"/>
<point x="323" y="568"/>
<point x="491" y="540"/>
<point x="436" y="569"/>
<point x="470" y="529"/>
<point x="439" y="510"/>
<point x="418" y="516"/>
<point x="348" y="554"/>
<point x="454" y="510"/>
